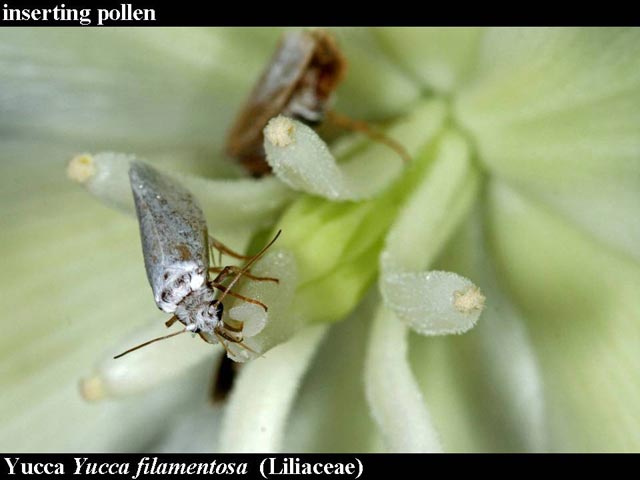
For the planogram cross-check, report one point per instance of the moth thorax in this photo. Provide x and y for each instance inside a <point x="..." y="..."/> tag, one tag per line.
<point x="177" y="284"/>
<point x="200" y="311"/>
<point x="304" y="107"/>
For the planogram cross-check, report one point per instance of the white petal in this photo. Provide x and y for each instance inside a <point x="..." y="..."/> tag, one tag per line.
<point x="582" y="308"/>
<point x="194" y="429"/>
<point x="393" y="395"/>
<point x="440" y="58"/>
<point x="130" y="88"/>
<point x="319" y="420"/>
<point x="492" y="374"/>
<point x="374" y="87"/>
<point x="255" y="416"/>
<point x="305" y="162"/>
<point x="554" y="112"/>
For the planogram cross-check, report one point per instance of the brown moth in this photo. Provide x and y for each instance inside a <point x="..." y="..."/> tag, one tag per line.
<point x="299" y="82"/>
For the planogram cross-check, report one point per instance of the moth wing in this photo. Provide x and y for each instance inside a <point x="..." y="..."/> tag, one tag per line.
<point x="271" y="94"/>
<point x="174" y="235"/>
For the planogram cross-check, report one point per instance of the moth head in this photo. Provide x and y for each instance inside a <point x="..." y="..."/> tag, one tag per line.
<point x="215" y="310"/>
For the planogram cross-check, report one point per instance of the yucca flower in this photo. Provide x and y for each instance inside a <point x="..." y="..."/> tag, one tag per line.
<point x="522" y="195"/>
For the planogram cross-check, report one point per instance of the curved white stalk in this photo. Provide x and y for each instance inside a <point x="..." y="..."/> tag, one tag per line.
<point x="255" y="417"/>
<point x="395" y="400"/>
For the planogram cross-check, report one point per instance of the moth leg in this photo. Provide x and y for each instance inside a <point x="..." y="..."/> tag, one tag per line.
<point x="229" y="269"/>
<point x="222" y="248"/>
<point x="171" y="321"/>
<point x="224" y="289"/>
<point x="348" y="123"/>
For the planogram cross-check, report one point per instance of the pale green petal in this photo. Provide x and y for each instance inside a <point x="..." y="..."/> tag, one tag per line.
<point x="301" y="159"/>
<point x="439" y="58"/>
<point x="374" y="87"/>
<point x="581" y="302"/>
<point x="555" y="112"/>
<point x="395" y="400"/>
<point x="255" y="416"/>
<point x="128" y="88"/>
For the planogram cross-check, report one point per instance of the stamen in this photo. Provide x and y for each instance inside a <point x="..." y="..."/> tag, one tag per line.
<point x="433" y="303"/>
<point x="146" y="367"/>
<point x="228" y="203"/>
<point x="81" y="168"/>
<point x="302" y="160"/>
<point x="469" y="300"/>
<point x="279" y="131"/>
<point x="92" y="388"/>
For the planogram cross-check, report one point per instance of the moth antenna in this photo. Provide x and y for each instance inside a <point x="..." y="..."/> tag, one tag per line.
<point x="248" y="265"/>
<point x="150" y="342"/>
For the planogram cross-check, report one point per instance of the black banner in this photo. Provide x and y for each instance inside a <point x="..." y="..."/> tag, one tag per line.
<point x="103" y="13"/>
<point x="271" y="466"/>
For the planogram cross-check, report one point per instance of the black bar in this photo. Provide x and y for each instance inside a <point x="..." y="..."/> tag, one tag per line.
<point x="300" y="13"/>
<point x="148" y="466"/>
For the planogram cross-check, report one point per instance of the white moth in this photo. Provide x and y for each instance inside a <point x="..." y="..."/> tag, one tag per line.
<point x="175" y="246"/>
